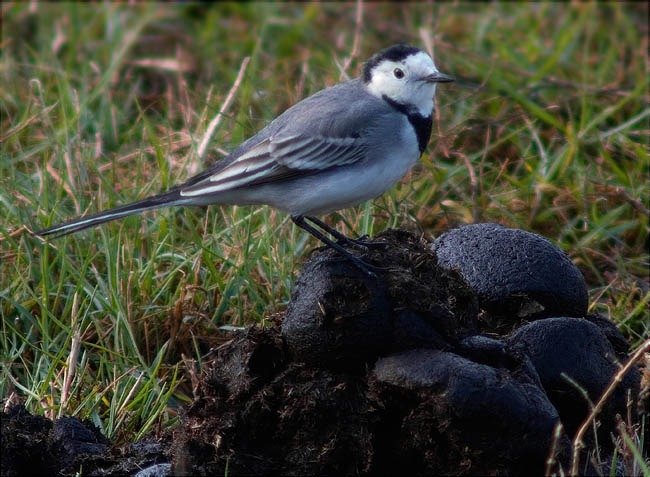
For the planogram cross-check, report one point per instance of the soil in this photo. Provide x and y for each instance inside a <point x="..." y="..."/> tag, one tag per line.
<point x="397" y="373"/>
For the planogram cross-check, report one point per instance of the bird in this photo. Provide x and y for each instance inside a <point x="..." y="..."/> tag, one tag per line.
<point x="341" y="146"/>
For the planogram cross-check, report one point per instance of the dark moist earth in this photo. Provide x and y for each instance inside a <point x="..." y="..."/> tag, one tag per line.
<point x="402" y="373"/>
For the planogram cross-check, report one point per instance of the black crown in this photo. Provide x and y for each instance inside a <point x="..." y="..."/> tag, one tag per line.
<point x="392" y="53"/>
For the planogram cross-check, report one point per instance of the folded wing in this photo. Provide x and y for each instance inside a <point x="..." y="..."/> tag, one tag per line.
<point x="280" y="158"/>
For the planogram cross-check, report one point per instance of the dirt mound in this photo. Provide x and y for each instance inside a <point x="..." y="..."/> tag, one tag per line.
<point x="403" y="372"/>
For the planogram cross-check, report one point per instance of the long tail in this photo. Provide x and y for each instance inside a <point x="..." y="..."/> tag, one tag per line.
<point x="167" y="199"/>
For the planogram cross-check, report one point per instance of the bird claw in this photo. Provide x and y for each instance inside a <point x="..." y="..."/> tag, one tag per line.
<point x="363" y="243"/>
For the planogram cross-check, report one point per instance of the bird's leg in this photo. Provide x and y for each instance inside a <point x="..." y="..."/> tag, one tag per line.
<point x="363" y="245"/>
<point x="340" y="238"/>
<point x="299" y="220"/>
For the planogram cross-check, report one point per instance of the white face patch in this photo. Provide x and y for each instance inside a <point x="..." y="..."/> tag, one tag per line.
<point x="403" y="82"/>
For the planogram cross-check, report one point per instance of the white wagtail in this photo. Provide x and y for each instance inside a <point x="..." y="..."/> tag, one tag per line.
<point x="342" y="146"/>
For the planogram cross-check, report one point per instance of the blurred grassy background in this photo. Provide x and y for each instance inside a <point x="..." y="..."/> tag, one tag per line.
<point x="546" y="129"/>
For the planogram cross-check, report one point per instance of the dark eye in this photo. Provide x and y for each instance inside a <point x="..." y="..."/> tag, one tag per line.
<point x="399" y="74"/>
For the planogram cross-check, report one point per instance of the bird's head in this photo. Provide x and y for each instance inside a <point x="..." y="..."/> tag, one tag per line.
<point x="406" y="75"/>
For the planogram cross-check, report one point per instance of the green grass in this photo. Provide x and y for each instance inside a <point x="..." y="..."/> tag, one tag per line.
<point x="546" y="129"/>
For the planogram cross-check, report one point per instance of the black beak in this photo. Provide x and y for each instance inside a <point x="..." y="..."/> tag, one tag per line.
<point x="438" y="77"/>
